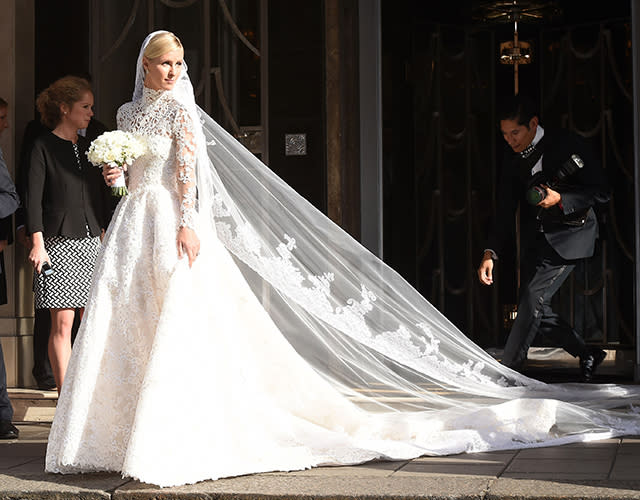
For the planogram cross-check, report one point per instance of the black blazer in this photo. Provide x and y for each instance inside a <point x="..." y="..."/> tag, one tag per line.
<point x="571" y="229"/>
<point x="61" y="198"/>
<point x="32" y="131"/>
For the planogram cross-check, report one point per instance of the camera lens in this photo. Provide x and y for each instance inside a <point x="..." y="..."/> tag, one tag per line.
<point x="535" y="195"/>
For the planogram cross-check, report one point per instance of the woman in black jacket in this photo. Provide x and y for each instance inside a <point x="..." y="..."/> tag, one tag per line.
<point x="65" y="204"/>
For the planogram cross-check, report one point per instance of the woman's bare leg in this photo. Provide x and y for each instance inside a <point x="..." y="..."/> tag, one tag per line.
<point x="60" y="343"/>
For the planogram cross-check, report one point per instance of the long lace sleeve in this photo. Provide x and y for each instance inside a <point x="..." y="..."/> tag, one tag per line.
<point x="186" y="167"/>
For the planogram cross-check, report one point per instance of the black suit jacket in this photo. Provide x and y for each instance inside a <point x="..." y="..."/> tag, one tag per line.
<point x="572" y="228"/>
<point x="59" y="197"/>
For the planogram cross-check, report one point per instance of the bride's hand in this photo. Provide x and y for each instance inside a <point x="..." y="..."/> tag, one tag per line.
<point x="110" y="174"/>
<point x="188" y="244"/>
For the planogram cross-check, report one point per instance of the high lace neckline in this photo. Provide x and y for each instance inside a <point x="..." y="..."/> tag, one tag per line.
<point x="151" y="95"/>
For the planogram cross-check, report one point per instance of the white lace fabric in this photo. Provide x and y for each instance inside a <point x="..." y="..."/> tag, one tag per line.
<point x="157" y="114"/>
<point x="287" y="345"/>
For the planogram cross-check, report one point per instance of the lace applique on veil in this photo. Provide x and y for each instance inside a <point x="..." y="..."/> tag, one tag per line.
<point x="283" y="311"/>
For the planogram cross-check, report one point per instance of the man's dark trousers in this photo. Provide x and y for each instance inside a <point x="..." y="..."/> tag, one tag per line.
<point x="41" y="329"/>
<point x="6" y="410"/>
<point x="534" y="308"/>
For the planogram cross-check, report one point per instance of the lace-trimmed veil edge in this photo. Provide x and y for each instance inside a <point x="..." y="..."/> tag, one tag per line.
<point x="358" y="322"/>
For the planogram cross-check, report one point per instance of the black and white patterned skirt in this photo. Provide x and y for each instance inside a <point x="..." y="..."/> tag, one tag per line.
<point x="72" y="261"/>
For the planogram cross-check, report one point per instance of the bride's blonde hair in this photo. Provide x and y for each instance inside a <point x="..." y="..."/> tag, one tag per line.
<point x="161" y="44"/>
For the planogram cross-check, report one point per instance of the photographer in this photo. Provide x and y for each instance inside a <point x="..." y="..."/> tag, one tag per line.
<point x="556" y="180"/>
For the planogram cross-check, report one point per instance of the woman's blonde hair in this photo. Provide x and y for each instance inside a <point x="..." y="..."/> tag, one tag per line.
<point x="66" y="90"/>
<point x="161" y="44"/>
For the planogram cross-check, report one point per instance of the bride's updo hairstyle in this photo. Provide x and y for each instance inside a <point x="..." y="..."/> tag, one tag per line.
<point x="161" y="44"/>
<point x="66" y="90"/>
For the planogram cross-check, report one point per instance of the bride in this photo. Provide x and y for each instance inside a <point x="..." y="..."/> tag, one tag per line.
<point x="233" y="329"/>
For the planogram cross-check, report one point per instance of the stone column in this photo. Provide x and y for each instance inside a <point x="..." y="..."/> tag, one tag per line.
<point x="17" y="87"/>
<point x="342" y="114"/>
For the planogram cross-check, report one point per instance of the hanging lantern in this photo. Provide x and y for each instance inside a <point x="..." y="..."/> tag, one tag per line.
<point x="515" y="52"/>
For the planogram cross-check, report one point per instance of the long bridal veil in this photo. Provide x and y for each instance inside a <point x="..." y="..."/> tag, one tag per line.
<point x="369" y="332"/>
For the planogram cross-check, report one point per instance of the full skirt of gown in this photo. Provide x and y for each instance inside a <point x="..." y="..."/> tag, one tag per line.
<point x="179" y="374"/>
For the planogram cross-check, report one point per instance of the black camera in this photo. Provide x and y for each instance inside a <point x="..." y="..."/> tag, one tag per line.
<point x="536" y="193"/>
<point x="46" y="269"/>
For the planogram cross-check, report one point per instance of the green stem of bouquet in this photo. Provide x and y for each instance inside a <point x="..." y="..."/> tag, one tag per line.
<point x="119" y="191"/>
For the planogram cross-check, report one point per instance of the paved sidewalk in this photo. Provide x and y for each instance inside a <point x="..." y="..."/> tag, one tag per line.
<point x="608" y="469"/>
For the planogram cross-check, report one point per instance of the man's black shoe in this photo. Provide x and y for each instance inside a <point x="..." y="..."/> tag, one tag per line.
<point x="47" y="385"/>
<point x="8" y="430"/>
<point x="589" y="363"/>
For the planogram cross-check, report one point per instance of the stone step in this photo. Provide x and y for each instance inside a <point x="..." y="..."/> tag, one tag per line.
<point x="33" y="405"/>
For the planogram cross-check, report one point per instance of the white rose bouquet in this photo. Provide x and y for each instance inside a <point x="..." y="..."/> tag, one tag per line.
<point x="116" y="148"/>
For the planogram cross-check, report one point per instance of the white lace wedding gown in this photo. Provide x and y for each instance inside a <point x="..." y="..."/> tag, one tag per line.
<point x="179" y="374"/>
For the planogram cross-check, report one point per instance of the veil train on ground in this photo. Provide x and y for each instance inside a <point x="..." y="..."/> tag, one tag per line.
<point x="292" y="343"/>
<point x="361" y="325"/>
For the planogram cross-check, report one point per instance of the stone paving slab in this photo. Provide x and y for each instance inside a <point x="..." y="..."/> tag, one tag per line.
<point x="626" y="468"/>
<point x="72" y="487"/>
<point x="518" y="489"/>
<point x="328" y="487"/>
<point x="600" y="470"/>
